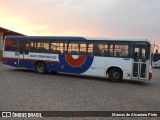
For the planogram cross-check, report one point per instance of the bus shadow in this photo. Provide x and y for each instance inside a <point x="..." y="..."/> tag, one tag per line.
<point x="142" y="83"/>
<point x="22" y="70"/>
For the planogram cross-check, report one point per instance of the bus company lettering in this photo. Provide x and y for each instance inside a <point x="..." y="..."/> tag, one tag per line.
<point x="43" y="56"/>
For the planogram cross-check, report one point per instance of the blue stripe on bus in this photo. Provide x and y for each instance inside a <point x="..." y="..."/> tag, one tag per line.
<point x="61" y="66"/>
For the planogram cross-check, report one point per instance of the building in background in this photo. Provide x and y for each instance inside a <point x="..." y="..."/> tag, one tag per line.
<point x="3" y="33"/>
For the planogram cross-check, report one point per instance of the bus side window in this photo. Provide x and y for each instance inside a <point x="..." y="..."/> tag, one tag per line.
<point x="39" y="46"/>
<point x="58" y="47"/>
<point x="96" y="50"/>
<point x="24" y="47"/>
<point x="52" y="47"/>
<point x="124" y="50"/>
<point x="32" y="47"/>
<point x="73" y="48"/>
<point x="43" y="47"/>
<point x="11" y="45"/>
<point x="103" y="49"/>
<point x="111" y="50"/>
<point x="82" y="48"/>
<point x="90" y="48"/>
<point x="119" y="49"/>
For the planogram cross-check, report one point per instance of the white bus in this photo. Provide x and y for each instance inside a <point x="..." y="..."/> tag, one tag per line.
<point x="112" y="57"/>
<point x="156" y="60"/>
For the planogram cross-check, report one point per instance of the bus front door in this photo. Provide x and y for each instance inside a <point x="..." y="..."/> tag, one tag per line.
<point x="139" y="63"/>
<point x="23" y="53"/>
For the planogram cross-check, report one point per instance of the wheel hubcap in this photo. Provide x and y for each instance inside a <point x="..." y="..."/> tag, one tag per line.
<point x="116" y="75"/>
<point x="40" y="68"/>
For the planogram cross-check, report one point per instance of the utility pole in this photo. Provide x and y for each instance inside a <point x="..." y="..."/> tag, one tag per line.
<point x="154" y="46"/>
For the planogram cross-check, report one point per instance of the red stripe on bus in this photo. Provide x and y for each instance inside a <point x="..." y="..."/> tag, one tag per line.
<point x="9" y="58"/>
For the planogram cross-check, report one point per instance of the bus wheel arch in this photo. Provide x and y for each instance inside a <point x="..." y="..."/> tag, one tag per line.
<point x="40" y="67"/>
<point x="115" y="74"/>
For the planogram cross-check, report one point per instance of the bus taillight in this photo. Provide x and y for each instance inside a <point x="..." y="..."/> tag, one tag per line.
<point x="150" y="76"/>
<point x="3" y="61"/>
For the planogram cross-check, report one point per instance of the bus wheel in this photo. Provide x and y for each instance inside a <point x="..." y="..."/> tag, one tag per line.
<point x="41" y="68"/>
<point x="115" y="75"/>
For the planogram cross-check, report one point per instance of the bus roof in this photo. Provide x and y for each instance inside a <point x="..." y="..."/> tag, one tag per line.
<point x="120" y="38"/>
<point x="79" y="38"/>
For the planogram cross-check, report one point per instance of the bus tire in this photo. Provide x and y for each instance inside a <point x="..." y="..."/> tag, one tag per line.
<point x="115" y="75"/>
<point x="41" y="68"/>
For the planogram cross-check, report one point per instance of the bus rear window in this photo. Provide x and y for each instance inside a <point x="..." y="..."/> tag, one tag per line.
<point x="11" y="45"/>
